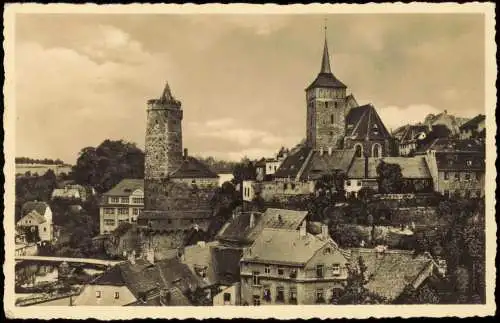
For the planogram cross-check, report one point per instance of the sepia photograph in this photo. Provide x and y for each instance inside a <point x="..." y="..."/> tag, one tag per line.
<point x="212" y="161"/>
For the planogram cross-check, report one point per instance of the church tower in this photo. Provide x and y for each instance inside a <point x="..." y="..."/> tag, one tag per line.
<point x="326" y="107"/>
<point x="163" y="145"/>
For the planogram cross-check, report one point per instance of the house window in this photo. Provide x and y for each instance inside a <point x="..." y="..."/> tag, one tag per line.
<point x="359" y="151"/>
<point x="457" y="176"/>
<point x="280" y="294"/>
<point x="281" y="271"/>
<point x="98" y="294"/>
<point x="469" y="163"/>
<point x="227" y="298"/>
<point x="293" y="295"/>
<point x="319" y="271"/>
<point x="467" y="176"/>
<point x="327" y="251"/>
<point x="117" y="295"/>
<point x="446" y="176"/>
<point x="446" y="193"/>
<point x="477" y="175"/>
<point x="256" y="300"/>
<point x="109" y="222"/>
<point x="267" y="269"/>
<point x="138" y="200"/>
<point x="114" y="200"/>
<point x="336" y="269"/>
<point x="125" y="200"/>
<point x="122" y="211"/>
<point x="359" y="183"/>
<point x="320" y="297"/>
<point x="44" y="229"/>
<point x="348" y="183"/>
<point x="267" y="294"/>
<point x="293" y="273"/>
<point x="332" y="119"/>
<point x="135" y="211"/>
<point x="256" y="278"/>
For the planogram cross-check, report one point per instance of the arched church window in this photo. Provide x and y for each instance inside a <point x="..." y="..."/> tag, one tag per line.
<point x="358" y="150"/>
<point x="376" y="150"/>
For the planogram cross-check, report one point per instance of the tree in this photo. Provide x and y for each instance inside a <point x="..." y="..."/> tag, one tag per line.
<point x="107" y="164"/>
<point x="244" y="170"/>
<point x="390" y="178"/>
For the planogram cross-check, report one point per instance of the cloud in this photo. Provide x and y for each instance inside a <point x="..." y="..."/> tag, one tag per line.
<point x="67" y="100"/>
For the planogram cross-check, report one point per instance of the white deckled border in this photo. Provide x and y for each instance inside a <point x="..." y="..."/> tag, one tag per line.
<point x="281" y="312"/>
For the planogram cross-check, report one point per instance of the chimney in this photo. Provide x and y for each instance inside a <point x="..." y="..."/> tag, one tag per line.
<point x="366" y="166"/>
<point x="302" y="229"/>
<point x="185" y="153"/>
<point x="252" y="220"/>
<point x="330" y="149"/>
<point x="324" y="231"/>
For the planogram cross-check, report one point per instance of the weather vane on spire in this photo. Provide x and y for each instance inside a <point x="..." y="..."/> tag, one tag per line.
<point x="326" y="20"/>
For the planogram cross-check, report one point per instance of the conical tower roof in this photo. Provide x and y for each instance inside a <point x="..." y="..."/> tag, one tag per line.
<point x="325" y="78"/>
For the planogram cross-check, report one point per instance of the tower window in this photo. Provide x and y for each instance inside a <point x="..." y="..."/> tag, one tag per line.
<point x="332" y="119"/>
<point x="335" y="105"/>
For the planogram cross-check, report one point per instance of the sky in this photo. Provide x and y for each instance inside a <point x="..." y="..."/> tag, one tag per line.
<point x="81" y="79"/>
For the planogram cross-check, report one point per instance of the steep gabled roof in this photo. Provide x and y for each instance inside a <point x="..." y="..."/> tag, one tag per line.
<point x="126" y="187"/>
<point x="39" y="207"/>
<point x="284" y="246"/>
<point x="319" y="164"/>
<point x="473" y="123"/>
<point x="389" y="272"/>
<point x="35" y="216"/>
<point x="364" y="123"/>
<point x="238" y="229"/>
<point x="293" y="163"/>
<point x="412" y="132"/>
<point x="411" y="167"/>
<point x="193" y="168"/>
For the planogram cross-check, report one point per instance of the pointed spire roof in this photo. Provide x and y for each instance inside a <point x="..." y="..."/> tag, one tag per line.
<point x="325" y="78"/>
<point x="325" y="62"/>
<point x="167" y="93"/>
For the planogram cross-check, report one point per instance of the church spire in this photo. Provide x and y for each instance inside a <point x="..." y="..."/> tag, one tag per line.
<point x="325" y="62"/>
<point x="167" y="94"/>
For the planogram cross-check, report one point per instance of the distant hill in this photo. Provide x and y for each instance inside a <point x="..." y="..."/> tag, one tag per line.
<point x="45" y="161"/>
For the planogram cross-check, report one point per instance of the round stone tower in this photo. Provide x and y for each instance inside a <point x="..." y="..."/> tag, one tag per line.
<point x="163" y="146"/>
